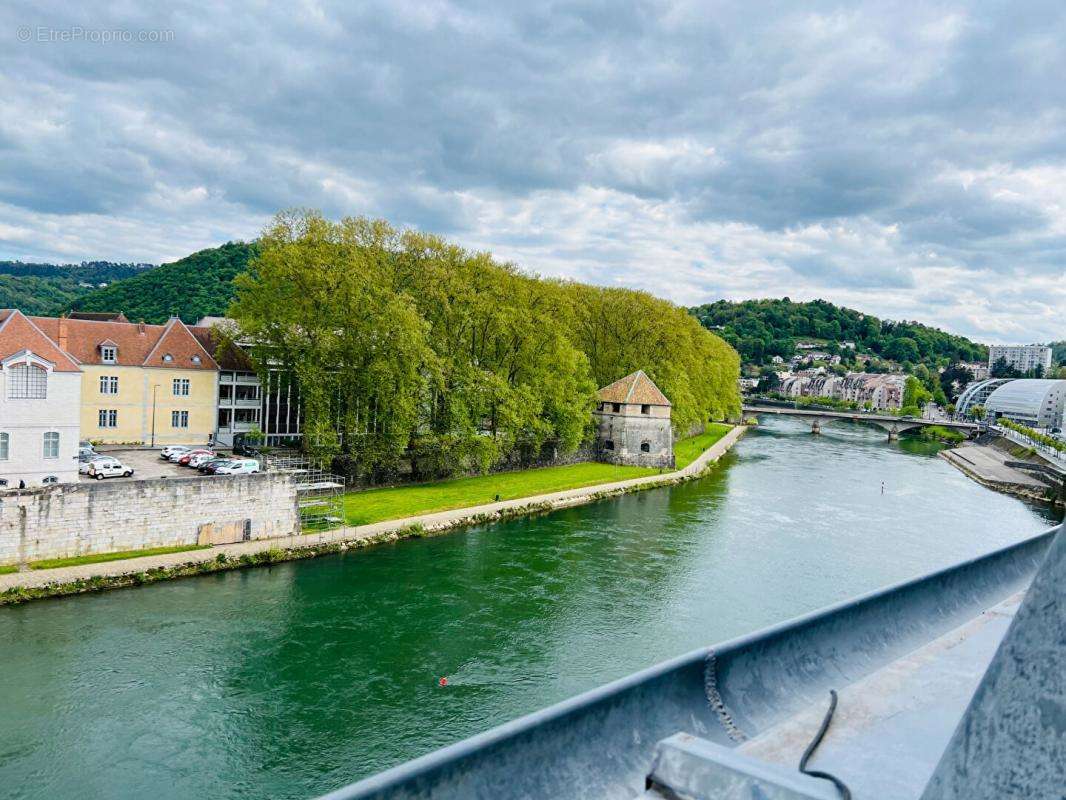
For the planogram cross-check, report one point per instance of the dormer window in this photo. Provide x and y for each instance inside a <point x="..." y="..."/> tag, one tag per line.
<point x="108" y="353"/>
<point x="168" y="358"/>
<point x="196" y="359"/>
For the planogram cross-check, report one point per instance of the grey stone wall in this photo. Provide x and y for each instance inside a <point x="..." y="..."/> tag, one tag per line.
<point x="629" y="433"/>
<point x="106" y="517"/>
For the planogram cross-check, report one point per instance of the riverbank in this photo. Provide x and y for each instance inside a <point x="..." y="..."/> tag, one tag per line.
<point x="996" y="465"/>
<point x="23" y="586"/>
<point x="379" y="505"/>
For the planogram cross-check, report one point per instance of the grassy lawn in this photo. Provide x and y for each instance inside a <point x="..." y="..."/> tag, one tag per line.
<point x="377" y="505"/>
<point x="97" y="558"/>
<point x="7" y="570"/>
<point x="688" y="450"/>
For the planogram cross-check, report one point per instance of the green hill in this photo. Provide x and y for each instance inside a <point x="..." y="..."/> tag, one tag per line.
<point x="49" y="289"/>
<point x="761" y="329"/>
<point x="198" y="285"/>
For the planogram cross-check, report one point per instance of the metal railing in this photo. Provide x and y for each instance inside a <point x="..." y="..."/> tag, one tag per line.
<point x="1047" y="451"/>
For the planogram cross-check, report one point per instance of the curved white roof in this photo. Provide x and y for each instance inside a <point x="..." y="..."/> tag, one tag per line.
<point x="1037" y="399"/>
<point x="976" y="393"/>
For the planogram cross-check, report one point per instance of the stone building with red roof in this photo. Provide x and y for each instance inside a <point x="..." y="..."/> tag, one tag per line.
<point x="141" y="384"/>
<point x="40" y="406"/>
<point x="633" y="423"/>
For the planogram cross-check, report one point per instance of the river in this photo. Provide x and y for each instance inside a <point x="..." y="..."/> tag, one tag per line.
<point x="292" y="680"/>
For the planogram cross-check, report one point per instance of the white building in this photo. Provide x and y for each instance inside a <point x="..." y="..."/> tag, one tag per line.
<point x="1023" y="358"/>
<point x="1038" y="403"/>
<point x="40" y="406"/>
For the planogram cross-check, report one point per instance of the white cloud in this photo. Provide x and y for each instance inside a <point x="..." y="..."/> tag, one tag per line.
<point x="907" y="162"/>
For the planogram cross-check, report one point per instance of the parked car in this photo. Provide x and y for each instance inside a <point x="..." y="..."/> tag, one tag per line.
<point x="186" y="457"/>
<point x="172" y="449"/>
<point x="84" y="462"/>
<point x="197" y="460"/>
<point x="238" y="466"/>
<point x="209" y="467"/>
<point x="108" y="467"/>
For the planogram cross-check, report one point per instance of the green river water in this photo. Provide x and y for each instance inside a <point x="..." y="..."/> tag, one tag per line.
<point x="292" y="680"/>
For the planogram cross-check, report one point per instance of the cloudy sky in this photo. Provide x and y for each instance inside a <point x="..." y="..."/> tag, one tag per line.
<point x="910" y="162"/>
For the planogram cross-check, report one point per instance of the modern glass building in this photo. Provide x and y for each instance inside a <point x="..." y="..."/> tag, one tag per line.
<point x="1037" y="403"/>
<point x="976" y="394"/>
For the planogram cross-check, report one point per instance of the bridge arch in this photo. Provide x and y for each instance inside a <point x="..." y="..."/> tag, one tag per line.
<point x="893" y="426"/>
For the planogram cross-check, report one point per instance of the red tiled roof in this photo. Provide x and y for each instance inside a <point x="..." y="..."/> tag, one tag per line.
<point x="634" y="388"/>
<point x="137" y="345"/>
<point x="230" y="357"/>
<point x="19" y="333"/>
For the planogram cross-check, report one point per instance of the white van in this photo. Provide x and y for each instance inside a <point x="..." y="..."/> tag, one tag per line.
<point x="108" y="467"/>
<point x="239" y="466"/>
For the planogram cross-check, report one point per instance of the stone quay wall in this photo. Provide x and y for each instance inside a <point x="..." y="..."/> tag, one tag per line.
<point x="110" y="516"/>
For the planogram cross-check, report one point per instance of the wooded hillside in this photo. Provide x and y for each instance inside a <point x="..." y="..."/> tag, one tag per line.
<point x="761" y="329"/>
<point x="198" y="285"/>
<point x="51" y="289"/>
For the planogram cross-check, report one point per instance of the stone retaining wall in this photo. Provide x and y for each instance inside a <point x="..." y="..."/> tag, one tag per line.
<point x="105" y="517"/>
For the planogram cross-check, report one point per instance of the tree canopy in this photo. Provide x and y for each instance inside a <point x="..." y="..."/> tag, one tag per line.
<point x="406" y="345"/>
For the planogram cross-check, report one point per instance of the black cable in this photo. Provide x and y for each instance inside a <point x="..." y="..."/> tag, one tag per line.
<point x="845" y="792"/>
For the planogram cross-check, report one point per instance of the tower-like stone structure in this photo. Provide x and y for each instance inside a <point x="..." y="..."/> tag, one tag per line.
<point x="633" y="423"/>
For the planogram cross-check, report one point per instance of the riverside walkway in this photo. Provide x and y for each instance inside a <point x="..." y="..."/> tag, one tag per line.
<point x="396" y="528"/>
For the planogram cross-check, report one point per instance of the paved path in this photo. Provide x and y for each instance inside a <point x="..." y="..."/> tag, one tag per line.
<point x="988" y="463"/>
<point x="436" y="521"/>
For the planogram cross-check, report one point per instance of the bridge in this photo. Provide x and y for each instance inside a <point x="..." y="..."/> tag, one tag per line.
<point x="893" y="425"/>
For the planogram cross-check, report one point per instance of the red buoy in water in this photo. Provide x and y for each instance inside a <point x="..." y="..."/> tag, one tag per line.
<point x="443" y="681"/>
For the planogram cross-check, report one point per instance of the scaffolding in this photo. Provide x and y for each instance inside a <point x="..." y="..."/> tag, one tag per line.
<point x="319" y="493"/>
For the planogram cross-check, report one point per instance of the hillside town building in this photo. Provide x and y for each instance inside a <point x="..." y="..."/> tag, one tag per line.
<point x="1024" y="358"/>
<point x="633" y="423"/>
<point x="40" y="406"/>
<point x="877" y="391"/>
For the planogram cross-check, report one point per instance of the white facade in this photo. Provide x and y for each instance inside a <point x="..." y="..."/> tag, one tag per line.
<point x="38" y="434"/>
<point x="1024" y="358"/>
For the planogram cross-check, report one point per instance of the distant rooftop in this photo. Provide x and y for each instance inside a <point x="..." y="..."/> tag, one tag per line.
<point x="98" y="316"/>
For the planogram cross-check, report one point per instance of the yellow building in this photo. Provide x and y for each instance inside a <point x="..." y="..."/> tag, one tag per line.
<point x="141" y="384"/>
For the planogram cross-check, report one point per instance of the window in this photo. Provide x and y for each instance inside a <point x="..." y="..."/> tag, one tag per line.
<point x="196" y="359"/>
<point x="27" y="382"/>
<point x="51" y="444"/>
<point x="168" y="358"/>
<point x="108" y="384"/>
<point x="108" y="353"/>
<point x="49" y="479"/>
<point x="645" y="447"/>
<point x="181" y="387"/>
<point x="179" y="419"/>
<point x="608" y="445"/>
<point x="108" y="418"/>
<point x="616" y="407"/>
<point x="645" y="409"/>
<point x="5" y="443"/>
